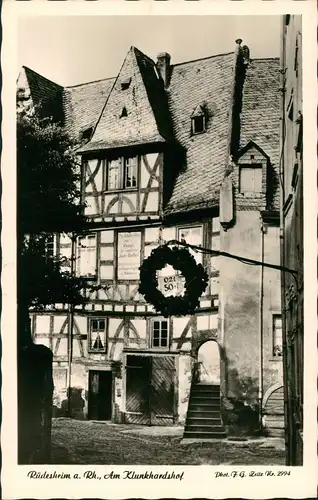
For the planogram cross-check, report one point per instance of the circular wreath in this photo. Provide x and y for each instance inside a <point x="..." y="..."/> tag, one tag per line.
<point x="196" y="280"/>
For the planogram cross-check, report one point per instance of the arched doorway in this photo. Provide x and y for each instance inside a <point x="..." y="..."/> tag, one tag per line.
<point x="209" y="362"/>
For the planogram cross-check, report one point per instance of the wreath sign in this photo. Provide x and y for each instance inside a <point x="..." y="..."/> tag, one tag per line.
<point x="196" y="281"/>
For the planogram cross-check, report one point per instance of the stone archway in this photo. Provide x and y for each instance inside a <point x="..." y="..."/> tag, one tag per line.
<point x="209" y="362"/>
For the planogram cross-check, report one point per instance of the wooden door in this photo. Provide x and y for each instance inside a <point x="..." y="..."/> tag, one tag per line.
<point x="150" y="390"/>
<point x="138" y="371"/>
<point x="162" y="390"/>
<point x="100" y="395"/>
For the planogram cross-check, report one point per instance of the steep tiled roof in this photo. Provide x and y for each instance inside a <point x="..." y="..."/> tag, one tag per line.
<point x="83" y="104"/>
<point x="260" y="113"/>
<point x="144" y="100"/>
<point x="208" y="83"/>
<point x="158" y="115"/>
<point x="44" y="92"/>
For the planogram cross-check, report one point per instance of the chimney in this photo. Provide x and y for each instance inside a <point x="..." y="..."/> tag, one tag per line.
<point x="243" y="52"/>
<point x="163" y="67"/>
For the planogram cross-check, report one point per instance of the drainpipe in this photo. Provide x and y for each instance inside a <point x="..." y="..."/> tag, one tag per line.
<point x="70" y="327"/>
<point x="282" y="235"/>
<point x="261" y="313"/>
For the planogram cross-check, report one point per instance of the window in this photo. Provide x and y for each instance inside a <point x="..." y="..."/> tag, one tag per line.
<point x="198" y="124"/>
<point x="122" y="173"/>
<point x="97" y="335"/>
<point x="130" y="165"/>
<point x="87" y="134"/>
<point x="160" y="334"/>
<point x="277" y="336"/>
<point x="50" y="246"/>
<point x="124" y="113"/>
<point x="113" y="174"/>
<point x="125" y="83"/>
<point x="251" y="179"/>
<point x="198" y="120"/>
<point x="87" y="255"/>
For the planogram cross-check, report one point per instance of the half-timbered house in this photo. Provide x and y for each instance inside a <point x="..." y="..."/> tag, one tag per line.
<point x="186" y="152"/>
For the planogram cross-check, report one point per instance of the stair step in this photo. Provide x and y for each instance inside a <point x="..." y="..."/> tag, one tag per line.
<point x="204" y="384"/>
<point x="204" y="406"/>
<point x="206" y="388"/>
<point x="204" y="399"/>
<point x="204" y="428"/>
<point x="203" y="421"/>
<point x="195" y="413"/>
<point x="204" y="435"/>
<point x="206" y="394"/>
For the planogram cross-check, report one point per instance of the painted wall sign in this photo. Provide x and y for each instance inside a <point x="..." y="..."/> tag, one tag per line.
<point x="129" y="248"/>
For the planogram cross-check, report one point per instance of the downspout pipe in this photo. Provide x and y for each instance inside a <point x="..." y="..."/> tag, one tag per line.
<point x="70" y="328"/>
<point x="282" y="235"/>
<point x="261" y="328"/>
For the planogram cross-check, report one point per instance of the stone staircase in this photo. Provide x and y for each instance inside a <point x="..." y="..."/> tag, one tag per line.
<point x="204" y="416"/>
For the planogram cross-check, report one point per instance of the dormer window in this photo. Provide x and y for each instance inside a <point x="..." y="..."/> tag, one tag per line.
<point x="198" y="121"/>
<point x="87" y="134"/>
<point x="124" y="112"/>
<point x="251" y="179"/>
<point x="125" y="83"/>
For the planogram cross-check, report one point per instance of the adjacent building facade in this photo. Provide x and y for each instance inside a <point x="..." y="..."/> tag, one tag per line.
<point x="186" y="152"/>
<point x="292" y="232"/>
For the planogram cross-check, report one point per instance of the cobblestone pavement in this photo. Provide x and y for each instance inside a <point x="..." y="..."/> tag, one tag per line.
<point x="97" y="443"/>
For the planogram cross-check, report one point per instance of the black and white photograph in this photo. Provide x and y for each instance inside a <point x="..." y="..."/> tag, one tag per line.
<point x="159" y="243"/>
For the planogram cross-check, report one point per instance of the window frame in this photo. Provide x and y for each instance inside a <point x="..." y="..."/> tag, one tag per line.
<point x="160" y="347"/>
<point x="122" y="171"/>
<point x="274" y="315"/>
<point x="78" y="254"/>
<point x="193" y="123"/>
<point x="50" y="240"/>
<point x="251" y="166"/>
<point x="90" y="349"/>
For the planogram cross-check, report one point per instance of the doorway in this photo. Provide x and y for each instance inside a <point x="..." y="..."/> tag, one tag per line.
<point x="150" y="389"/>
<point x="209" y="363"/>
<point x="99" y="395"/>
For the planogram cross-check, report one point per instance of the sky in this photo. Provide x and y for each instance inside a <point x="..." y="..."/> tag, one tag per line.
<point x="76" y="49"/>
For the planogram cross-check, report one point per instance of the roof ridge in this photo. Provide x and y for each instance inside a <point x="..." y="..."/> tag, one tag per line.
<point x="89" y="83"/>
<point x="41" y="76"/>
<point x="203" y="58"/>
<point x="264" y="58"/>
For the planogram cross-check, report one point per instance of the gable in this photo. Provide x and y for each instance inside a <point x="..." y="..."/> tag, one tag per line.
<point x="132" y="113"/>
<point x="42" y="92"/>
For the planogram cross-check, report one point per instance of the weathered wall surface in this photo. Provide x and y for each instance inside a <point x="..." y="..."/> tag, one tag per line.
<point x="185" y="367"/>
<point x="240" y="290"/>
<point x="272" y="366"/>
